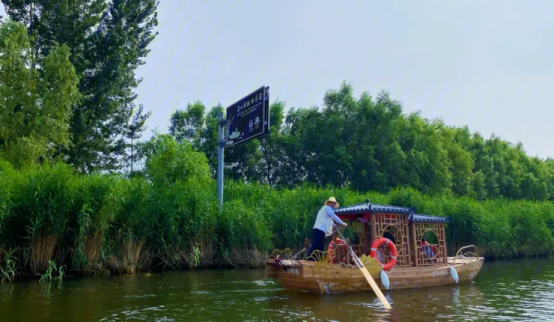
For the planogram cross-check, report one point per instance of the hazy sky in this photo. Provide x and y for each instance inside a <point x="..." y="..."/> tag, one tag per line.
<point x="486" y="64"/>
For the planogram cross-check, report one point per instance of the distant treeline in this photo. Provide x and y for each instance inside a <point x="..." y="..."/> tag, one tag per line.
<point x="368" y="144"/>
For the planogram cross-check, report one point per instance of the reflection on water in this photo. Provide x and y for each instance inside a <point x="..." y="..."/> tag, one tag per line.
<point x="503" y="291"/>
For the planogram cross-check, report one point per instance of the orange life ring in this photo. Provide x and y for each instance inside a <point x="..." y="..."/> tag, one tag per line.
<point x="384" y="241"/>
<point x="331" y="248"/>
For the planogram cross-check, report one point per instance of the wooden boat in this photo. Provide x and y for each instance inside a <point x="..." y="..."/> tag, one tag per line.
<point x="418" y="241"/>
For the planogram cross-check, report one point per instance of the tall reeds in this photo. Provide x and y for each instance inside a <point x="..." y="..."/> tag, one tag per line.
<point x="98" y="223"/>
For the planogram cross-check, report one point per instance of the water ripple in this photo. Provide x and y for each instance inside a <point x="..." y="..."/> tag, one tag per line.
<point x="503" y="291"/>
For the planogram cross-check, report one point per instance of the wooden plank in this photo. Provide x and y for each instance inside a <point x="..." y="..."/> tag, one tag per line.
<point x="414" y="243"/>
<point x="445" y="245"/>
<point x="373" y="228"/>
<point x="375" y="288"/>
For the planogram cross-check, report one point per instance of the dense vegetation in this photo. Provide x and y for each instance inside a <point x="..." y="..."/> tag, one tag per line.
<point x="107" y="40"/>
<point x="170" y="219"/>
<point x="69" y="132"/>
<point x="368" y="144"/>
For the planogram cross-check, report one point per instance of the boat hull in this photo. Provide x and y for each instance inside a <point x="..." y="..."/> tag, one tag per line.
<point x="321" y="277"/>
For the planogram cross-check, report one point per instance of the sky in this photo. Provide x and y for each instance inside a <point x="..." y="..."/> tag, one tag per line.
<point x="485" y="64"/>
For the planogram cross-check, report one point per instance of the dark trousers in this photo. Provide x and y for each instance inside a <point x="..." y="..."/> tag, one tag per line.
<point x="318" y="241"/>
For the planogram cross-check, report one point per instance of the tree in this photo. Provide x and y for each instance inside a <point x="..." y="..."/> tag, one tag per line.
<point x="36" y="100"/>
<point x="271" y="146"/>
<point x="168" y="161"/>
<point x="293" y="170"/>
<point x="375" y="133"/>
<point x="108" y="40"/>
<point x="460" y="161"/>
<point x="134" y="129"/>
<point x="188" y="124"/>
<point x="433" y="158"/>
<point x="367" y="143"/>
<point x="209" y="138"/>
<point x="484" y="165"/>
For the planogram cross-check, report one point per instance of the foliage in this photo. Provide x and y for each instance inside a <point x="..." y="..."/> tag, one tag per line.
<point x="108" y="41"/>
<point x="363" y="142"/>
<point x="48" y="276"/>
<point x="8" y="269"/>
<point x="53" y="217"/>
<point x="169" y="161"/>
<point x="135" y="128"/>
<point x="35" y="105"/>
<point x="185" y="124"/>
<point x="366" y="143"/>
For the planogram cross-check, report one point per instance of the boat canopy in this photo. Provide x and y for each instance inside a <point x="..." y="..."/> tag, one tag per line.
<point x="424" y="219"/>
<point x="372" y="208"/>
<point x="367" y="208"/>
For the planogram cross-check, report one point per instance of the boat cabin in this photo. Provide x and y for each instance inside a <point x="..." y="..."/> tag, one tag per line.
<point x="420" y="240"/>
<point x="395" y="246"/>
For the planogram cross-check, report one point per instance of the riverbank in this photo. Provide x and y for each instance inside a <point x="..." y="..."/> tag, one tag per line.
<point x="108" y="223"/>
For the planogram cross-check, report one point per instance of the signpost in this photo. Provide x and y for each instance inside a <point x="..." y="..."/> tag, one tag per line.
<point x="246" y="119"/>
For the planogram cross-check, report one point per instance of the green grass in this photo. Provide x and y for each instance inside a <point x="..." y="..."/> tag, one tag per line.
<point x="99" y="223"/>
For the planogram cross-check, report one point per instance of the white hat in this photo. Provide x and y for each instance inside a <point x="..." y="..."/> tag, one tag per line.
<point x="332" y="199"/>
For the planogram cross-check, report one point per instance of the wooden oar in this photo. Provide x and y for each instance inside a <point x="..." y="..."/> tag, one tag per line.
<point x="368" y="277"/>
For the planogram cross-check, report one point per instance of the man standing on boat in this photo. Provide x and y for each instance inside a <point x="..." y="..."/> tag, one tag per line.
<point x="323" y="226"/>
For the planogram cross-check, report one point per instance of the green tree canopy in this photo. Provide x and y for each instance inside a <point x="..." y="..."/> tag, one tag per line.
<point x="169" y="161"/>
<point x="35" y="99"/>
<point x="368" y="144"/>
<point x="108" y="41"/>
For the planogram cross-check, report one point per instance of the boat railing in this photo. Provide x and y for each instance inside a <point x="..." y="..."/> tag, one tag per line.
<point x="460" y="255"/>
<point x="340" y="252"/>
<point x="287" y="253"/>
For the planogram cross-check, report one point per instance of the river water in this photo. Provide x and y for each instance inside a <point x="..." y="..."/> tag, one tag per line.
<point x="503" y="291"/>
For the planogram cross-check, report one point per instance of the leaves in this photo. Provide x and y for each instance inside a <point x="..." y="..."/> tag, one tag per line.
<point x="35" y="104"/>
<point x="187" y="124"/>
<point x="108" y="41"/>
<point x="169" y="161"/>
<point x="368" y="144"/>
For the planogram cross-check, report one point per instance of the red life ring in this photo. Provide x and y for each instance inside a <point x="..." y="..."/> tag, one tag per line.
<point x="331" y="248"/>
<point x="384" y="241"/>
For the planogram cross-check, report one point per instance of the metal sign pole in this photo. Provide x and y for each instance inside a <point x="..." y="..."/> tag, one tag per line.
<point x="220" y="154"/>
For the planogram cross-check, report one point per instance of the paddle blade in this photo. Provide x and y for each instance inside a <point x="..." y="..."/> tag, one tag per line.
<point x="375" y="288"/>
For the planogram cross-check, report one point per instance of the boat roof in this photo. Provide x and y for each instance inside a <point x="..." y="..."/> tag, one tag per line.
<point x="371" y="207"/>
<point x="428" y="219"/>
<point x="364" y="208"/>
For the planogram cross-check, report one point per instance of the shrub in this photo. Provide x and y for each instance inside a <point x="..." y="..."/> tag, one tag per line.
<point x="91" y="223"/>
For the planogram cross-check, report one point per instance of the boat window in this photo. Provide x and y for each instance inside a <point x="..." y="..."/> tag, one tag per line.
<point x="429" y="242"/>
<point x="390" y="236"/>
<point x="431" y="237"/>
<point x="393" y="234"/>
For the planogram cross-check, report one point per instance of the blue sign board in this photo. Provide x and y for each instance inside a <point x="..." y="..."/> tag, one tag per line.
<point x="248" y="118"/>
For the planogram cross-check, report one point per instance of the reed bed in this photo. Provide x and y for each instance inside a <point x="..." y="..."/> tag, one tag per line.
<point x="108" y="223"/>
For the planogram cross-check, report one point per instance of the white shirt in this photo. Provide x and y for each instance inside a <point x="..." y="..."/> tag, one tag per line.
<point x="324" y="220"/>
